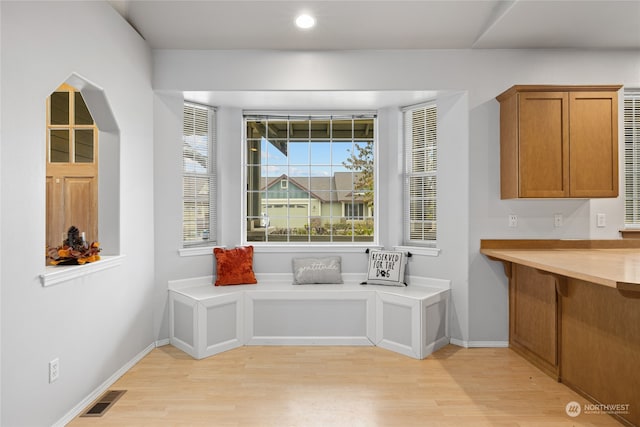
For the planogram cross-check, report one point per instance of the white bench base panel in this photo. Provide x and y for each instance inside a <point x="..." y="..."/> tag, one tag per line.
<point x="206" y="320"/>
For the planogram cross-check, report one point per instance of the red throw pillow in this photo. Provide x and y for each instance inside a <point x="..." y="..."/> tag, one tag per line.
<point x="234" y="266"/>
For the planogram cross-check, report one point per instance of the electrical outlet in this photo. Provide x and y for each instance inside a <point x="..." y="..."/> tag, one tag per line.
<point x="557" y="220"/>
<point x="601" y="220"/>
<point x="54" y="370"/>
<point x="513" y="220"/>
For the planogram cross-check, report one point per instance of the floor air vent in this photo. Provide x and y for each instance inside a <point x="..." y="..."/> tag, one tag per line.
<point x="103" y="404"/>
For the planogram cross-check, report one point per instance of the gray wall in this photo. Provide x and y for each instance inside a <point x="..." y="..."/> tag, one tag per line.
<point x="469" y="203"/>
<point x="98" y="323"/>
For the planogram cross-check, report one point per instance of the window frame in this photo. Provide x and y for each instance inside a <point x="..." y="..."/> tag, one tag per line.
<point x="72" y="127"/>
<point x="408" y="173"/>
<point x="631" y="119"/>
<point x="320" y="245"/>
<point x="194" y="246"/>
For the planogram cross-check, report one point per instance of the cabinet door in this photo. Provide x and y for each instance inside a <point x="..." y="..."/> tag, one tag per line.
<point x="533" y="317"/>
<point x="543" y="132"/>
<point x="594" y="144"/>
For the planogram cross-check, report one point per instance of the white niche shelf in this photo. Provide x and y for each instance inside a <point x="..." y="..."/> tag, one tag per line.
<point x="55" y="275"/>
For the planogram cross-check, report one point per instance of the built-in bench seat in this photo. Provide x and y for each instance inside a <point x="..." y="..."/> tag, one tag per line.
<point x="206" y="319"/>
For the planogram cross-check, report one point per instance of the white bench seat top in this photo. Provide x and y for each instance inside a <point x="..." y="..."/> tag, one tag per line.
<point x="205" y="289"/>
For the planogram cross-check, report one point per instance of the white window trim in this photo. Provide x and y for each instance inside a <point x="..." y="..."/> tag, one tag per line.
<point x="198" y="250"/>
<point x="418" y="250"/>
<point x="279" y="247"/>
<point x="298" y="247"/>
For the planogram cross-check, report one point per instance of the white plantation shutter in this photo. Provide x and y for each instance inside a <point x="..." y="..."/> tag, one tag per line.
<point x="199" y="183"/>
<point x="632" y="158"/>
<point x="421" y="166"/>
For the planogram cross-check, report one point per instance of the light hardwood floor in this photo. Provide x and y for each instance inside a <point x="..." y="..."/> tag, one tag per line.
<point x="340" y="386"/>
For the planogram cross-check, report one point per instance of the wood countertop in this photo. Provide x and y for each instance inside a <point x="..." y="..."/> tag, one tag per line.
<point x="609" y="263"/>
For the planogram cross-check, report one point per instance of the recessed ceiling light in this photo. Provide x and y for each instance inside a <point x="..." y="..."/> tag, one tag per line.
<point x="305" y="21"/>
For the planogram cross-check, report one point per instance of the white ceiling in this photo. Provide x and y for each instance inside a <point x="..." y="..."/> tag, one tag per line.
<point x="362" y="24"/>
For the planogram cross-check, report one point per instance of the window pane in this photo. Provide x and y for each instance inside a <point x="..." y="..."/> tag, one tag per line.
<point x="82" y="115"/>
<point x="273" y="171"/>
<point x="253" y="152"/>
<point x="59" y="140"/>
<point x="196" y="207"/>
<point x="256" y="129"/>
<point x="299" y="129"/>
<point x="59" y="108"/>
<point x="199" y="185"/>
<point x="342" y="129"/>
<point x="363" y="128"/>
<point x="362" y="164"/>
<point x="340" y="151"/>
<point x="276" y="152"/>
<point x="321" y="129"/>
<point x="84" y="145"/>
<point x="307" y="177"/>
<point x="298" y="153"/>
<point x="320" y="177"/>
<point x="277" y="129"/>
<point x="632" y="157"/>
<point x="195" y="142"/>
<point x="421" y="168"/>
<point x="320" y="153"/>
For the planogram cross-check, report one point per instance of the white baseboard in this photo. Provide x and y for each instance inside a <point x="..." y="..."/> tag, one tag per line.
<point x="436" y="345"/>
<point x="310" y="341"/>
<point x="163" y="342"/>
<point x="76" y="410"/>
<point x="479" y="344"/>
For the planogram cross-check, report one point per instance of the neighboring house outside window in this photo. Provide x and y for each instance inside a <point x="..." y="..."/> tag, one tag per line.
<point x="199" y="178"/>
<point x="354" y="210"/>
<point x="632" y="157"/>
<point x="309" y="178"/>
<point x="421" y="167"/>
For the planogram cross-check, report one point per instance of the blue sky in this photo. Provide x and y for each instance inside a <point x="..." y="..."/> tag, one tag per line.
<point x="305" y="158"/>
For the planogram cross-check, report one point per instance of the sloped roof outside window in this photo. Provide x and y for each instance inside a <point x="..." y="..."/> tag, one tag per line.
<point x="338" y="187"/>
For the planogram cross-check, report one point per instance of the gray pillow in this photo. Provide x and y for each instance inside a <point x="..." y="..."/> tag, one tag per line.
<point x="317" y="270"/>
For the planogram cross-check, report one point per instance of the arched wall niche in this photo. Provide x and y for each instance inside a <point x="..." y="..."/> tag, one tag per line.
<point x="108" y="162"/>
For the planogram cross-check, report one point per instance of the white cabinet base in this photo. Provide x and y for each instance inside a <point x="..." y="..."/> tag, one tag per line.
<point x="304" y="317"/>
<point x="204" y="327"/>
<point x="413" y="326"/>
<point x="206" y="320"/>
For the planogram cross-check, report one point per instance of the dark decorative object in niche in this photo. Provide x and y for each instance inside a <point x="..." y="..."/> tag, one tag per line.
<point x="74" y="250"/>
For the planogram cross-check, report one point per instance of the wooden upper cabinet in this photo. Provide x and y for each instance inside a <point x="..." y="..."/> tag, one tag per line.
<point x="559" y="141"/>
